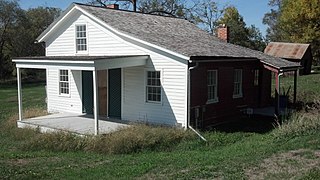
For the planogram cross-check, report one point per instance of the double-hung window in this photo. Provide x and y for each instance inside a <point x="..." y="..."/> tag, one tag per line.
<point x="64" y="82"/>
<point x="212" y="83"/>
<point x="237" y="83"/>
<point x="81" y="38"/>
<point x="153" y="88"/>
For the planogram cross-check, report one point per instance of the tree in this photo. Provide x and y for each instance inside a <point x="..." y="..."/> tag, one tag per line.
<point x="274" y="31"/>
<point x="256" y="40"/>
<point x="295" y="21"/>
<point x="206" y="14"/>
<point x="124" y="3"/>
<point x="300" y="23"/>
<point x="175" y="8"/>
<point x="239" y="34"/>
<point x="18" y="31"/>
<point x="28" y="28"/>
<point x="9" y="13"/>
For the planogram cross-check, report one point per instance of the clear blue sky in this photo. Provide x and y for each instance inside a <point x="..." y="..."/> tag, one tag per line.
<point x="252" y="10"/>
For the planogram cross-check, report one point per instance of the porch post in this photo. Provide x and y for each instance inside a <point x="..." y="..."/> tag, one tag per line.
<point x="19" y="94"/>
<point x="95" y="102"/>
<point x="277" y="93"/>
<point x="295" y="86"/>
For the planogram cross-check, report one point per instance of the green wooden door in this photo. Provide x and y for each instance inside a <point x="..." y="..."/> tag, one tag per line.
<point x="114" y="107"/>
<point x="87" y="92"/>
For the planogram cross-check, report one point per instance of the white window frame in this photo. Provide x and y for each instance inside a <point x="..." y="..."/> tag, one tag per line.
<point x="147" y="85"/>
<point x="64" y="81"/>
<point x="81" y="38"/>
<point x="237" y="83"/>
<point x="212" y="86"/>
<point x="256" y="77"/>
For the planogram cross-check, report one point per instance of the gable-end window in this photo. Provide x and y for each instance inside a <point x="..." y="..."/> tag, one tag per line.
<point x="81" y="38"/>
<point x="63" y="82"/>
<point x="237" y="83"/>
<point x="212" y="83"/>
<point x="256" y="77"/>
<point x="153" y="88"/>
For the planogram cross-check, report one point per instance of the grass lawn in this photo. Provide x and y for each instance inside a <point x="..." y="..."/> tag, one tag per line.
<point x="236" y="155"/>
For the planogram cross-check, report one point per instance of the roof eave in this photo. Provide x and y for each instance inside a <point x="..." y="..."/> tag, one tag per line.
<point x="220" y="58"/>
<point x="57" y="21"/>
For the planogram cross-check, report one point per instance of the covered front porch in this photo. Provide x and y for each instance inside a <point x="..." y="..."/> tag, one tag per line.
<point x="75" y="81"/>
<point x="280" y="105"/>
<point x="74" y="123"/>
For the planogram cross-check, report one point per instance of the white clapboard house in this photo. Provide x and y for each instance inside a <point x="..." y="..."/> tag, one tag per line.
<point x="125" y="65"/>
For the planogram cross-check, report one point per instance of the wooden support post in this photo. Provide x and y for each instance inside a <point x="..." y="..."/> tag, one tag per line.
<point x="95" y="102"/>
<point x="276" y="94"/>
<point x="295" y="86"/>
<point x="277" y="82"/>
<point x="134" y="2"/>
<point x="19" y="94"/>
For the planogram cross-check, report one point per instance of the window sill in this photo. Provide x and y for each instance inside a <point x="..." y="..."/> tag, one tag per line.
<point x="65" y="95"/>
<point x="212" y="101"/>
<point x="237" y="96"/>
<point x="154" y="102"/>
<point x="82" y="53"/>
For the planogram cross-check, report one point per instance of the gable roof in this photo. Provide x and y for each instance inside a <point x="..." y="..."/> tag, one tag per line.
<point x="287" y="50"/>
<point x="174" y="34"/>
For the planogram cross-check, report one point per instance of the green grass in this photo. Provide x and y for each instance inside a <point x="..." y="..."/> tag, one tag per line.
<point x="308" y="87"/>
<point x="236" y="155"/>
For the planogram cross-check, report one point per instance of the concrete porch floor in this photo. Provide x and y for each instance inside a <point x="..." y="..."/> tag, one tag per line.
<point x="75" y="123"/>
<point x="270" y="111"/>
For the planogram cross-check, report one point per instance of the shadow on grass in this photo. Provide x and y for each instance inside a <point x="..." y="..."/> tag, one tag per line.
<point x="255" y="124"/>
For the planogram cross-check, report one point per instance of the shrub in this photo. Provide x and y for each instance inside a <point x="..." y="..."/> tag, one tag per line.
<point x="298" y="124"/>
<point x="142" y="137"/>
<point x="56" y="141"/>
<point x="9" y="127"/>
<point x="135" y="138"/>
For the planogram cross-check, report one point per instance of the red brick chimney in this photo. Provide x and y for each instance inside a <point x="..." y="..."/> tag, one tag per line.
<point x="113" y="6"/>
<point x="223" y="32"/>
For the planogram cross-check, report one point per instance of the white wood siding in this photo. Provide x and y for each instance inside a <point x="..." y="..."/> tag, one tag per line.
<point x="58" y="103"/>
<point x="99" y="40"/>
<point x="172" y="110"/>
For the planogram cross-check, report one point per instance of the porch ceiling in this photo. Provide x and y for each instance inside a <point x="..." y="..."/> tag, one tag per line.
<point x="81" y="62"/>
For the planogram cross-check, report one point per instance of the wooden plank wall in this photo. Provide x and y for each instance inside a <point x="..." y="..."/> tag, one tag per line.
<point x="103" y="92"/>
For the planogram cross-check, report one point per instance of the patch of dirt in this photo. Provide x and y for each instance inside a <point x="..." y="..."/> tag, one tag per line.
<point x="285" y="165"/>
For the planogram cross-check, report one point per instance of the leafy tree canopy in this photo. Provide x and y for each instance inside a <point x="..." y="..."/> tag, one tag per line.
<point x="295" y="21"/>
<point x="18" y="30"/>
<point x="239" y="33"/>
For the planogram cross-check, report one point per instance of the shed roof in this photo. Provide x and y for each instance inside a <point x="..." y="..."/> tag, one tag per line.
<point x="175" y="34"/>
<point x="287" y="50"/>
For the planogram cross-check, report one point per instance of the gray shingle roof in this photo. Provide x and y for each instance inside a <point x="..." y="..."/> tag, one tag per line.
<point x="177" y="35"/>
<point x="77" y="58"/>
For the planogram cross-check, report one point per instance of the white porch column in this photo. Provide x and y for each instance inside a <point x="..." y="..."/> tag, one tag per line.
<point x="95" y="102"/>
<point x="19" y="94"/>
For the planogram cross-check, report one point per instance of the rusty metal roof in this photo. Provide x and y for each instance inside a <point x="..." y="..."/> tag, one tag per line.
<point x="286" y="50"/>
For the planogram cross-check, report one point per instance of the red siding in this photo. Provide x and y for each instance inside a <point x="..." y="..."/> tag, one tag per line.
<point x="227" y="107"/>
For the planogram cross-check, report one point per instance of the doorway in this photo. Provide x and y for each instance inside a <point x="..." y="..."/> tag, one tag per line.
<point x="114" y="105"/>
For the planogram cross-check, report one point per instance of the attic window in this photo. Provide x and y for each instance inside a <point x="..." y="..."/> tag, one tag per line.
<point x="81" y="38"/>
